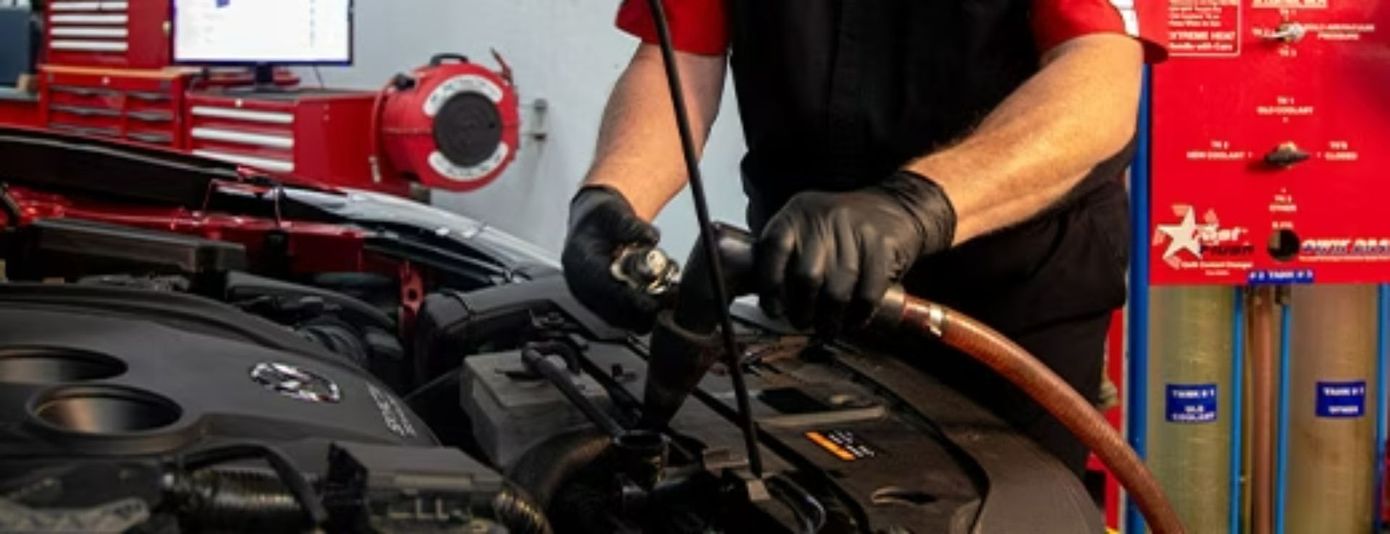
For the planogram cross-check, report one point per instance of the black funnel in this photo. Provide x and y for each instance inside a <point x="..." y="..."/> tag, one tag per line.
<point x="686" y="341"/>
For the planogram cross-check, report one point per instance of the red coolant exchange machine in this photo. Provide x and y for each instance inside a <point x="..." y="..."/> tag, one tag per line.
<point x="1257" y="346"/>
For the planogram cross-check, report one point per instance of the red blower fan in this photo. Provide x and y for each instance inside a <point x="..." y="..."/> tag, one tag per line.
<point x="451" y="125"/>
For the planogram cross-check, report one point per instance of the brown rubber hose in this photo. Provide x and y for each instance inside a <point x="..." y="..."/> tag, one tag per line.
<point x="1016" y="365"/>
<point x="1262" y="366"/>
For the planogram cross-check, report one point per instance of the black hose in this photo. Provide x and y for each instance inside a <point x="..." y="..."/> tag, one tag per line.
<point x="686" y="342"/>
<point x="244" y="500"/>
<point x="224" y="499"/>
<point x="449" y="380"/>
<point x="517" y="511"/>
<point x="547" y="467"/>
<point x="339" y="338"/>
<point x="293" y="478"/>
<point x="810" y="513"/>
<point x="564" y="381"/>
<point x="707" y="236"/>
<point x="13" y="215"/>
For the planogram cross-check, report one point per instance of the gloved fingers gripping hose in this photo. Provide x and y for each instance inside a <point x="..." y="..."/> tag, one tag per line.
<point x="826" y="259"/>
<point x="1015" y="364"/>
<point x="602" y="226"/>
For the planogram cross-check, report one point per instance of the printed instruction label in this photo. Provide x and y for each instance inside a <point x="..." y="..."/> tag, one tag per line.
<point x="1341" y="399"/>
<point x="1204" y="27"/>
<point x="843" y="444"/>
<point x="1191" y="403"/>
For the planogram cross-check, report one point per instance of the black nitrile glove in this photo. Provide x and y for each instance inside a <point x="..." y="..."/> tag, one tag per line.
<point x="827" y="259"/>
<point x="602" y="224"/>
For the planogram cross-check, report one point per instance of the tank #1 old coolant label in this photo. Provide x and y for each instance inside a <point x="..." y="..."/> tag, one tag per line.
<point x="1191" y="403"/>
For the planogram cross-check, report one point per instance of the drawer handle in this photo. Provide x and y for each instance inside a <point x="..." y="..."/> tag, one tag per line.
<point x="151" y="137"/>
<point x="151" y="116"/>
<point x="149" y="97"/>
<point x="84" y="130"/>
<point x="79" y="91"/>
<point x="86" y="112"/>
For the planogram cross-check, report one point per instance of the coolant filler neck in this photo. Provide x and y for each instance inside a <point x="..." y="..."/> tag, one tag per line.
<point x="648" y="269"/>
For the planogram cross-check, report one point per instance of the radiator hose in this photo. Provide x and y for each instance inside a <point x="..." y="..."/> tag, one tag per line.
<point x="684" y="348"/>
<point x="547" y="467"/>
<point x="1034" y="378"/>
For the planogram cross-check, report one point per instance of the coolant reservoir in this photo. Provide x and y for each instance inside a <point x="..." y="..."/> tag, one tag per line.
<point x="511" y="413"/>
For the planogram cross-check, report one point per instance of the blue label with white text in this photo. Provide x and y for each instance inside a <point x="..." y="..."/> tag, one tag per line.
<point x="1191" y="403"/>
<point x="1280" y="277"/>
<point x="1342" y="399"/>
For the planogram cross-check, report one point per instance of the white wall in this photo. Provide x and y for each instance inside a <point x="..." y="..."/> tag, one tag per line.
<point x="566" y="52"/>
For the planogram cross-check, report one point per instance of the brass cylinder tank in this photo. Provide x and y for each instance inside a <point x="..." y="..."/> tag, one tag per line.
<point x="1331" y="455"/>
<point x="1191" y="343"/>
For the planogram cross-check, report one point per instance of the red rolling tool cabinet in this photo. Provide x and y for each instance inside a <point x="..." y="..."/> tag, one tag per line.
<point x="19" y="110"/>
<point x="107" y="71"/>
<point x="322" y="134"/>
<point x="135" y="105"/>
<point x="108" y="33"/>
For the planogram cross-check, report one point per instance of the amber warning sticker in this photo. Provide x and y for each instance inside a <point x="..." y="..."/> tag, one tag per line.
<point x="843" y="444"/>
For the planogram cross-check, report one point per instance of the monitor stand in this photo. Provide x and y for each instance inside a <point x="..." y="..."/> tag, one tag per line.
<point x="263" y="82"/>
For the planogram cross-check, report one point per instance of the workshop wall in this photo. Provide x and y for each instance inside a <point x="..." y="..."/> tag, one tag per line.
<point x="565" y="52"/>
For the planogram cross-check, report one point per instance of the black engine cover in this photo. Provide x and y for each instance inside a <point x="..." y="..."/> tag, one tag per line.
<point x="93" y="371"/>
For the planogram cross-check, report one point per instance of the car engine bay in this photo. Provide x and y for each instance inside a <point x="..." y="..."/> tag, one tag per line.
<point x="227" y="352"/>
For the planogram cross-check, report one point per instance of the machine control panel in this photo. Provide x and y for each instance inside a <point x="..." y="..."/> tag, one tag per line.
<point x="1271" y="153"/>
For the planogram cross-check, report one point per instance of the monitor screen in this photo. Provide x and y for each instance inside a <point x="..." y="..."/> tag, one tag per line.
<point x="263" y="31"/>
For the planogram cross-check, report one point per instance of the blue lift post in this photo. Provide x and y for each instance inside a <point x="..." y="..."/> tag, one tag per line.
<point x="1237" y="390"/>
<point x="1137" y="388"/>
<point x="1281" y="469"/>
<point x="1383" y="305"/>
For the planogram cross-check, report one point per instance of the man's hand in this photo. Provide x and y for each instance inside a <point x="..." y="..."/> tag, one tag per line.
<point x="827" y="259"/>
<point x="602" y="224"/>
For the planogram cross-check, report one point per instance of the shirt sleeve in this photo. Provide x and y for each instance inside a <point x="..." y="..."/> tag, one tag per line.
<point x="697" y="26"/>
<point x="1057" y="21"/>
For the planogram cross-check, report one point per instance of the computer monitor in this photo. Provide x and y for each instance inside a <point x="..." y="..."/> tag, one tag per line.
<point x="263" y="33"/>
<point x="16" y="44"/>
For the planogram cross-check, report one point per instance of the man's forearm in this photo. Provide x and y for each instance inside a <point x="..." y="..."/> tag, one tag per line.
<point x="1079" y="110"/>
<point x="639" y="150"/>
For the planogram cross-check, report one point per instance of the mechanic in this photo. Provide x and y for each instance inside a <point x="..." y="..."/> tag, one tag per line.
<point x="971" y="149"/>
